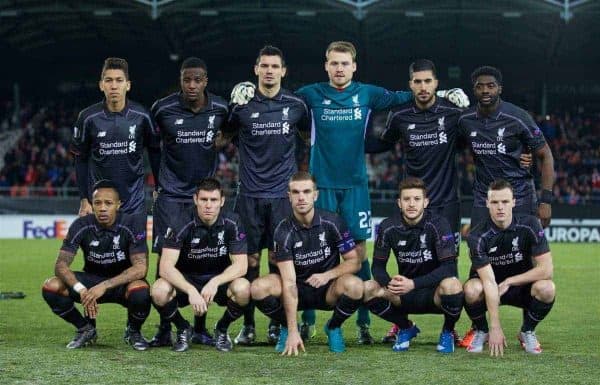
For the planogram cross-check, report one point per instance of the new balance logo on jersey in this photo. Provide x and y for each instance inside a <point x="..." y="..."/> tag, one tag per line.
<point x="298" y="244"/>
<point x="94" y="243"/>
<point x="441" y="125"/>
<point x="411" y="127"/>
<point x="132" y="146"/>
<point x="285" y="113"/>
<point x="132" y="131"/>
<point x="473" y="134"/>
<point x="195" y="241"/>
<point x="116" y="240"/>
<point x="101" y="134"/>
<point x="211" y="121"/>
<point x="402" y="242"/>
<point x="493" y="249"/>
<point x="285" y="128"/>
<point x="178" y="122"/>
<point x="500" y="136"/>
<point x="355" y="100"/>
<point x="501" y="148"/>
<point x="254" y="115"/>
<point x="326" y="102"/>
<point x="515" y="244"/>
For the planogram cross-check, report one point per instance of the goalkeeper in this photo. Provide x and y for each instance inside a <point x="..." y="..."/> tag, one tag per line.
<point x="340" y="112"/>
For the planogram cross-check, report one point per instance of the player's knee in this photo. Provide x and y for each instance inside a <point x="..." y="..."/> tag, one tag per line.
<point x="473" y="289"/>
<point x="371" y="289"/>
<point x="161" y="292"/>
<point x="544" y="290"/>
<point x="259" y="289"/>
<point x="449" y="286"/>
<point x="353" y="286"/>
<point x="54" y="285"/>
<point x="138" y="292"/>
<point x="240" y="289"/>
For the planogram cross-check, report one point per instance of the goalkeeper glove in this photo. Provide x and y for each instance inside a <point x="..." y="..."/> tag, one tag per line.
<point x="455" y="96"/>
<point x="242" y="93"/>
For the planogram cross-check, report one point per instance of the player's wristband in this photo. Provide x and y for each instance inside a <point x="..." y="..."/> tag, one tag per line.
<point x="78" y="287"/>
<point x="546" y="197"/>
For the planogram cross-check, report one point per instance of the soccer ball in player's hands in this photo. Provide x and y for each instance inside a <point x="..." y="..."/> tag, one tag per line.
<point x="242" y="93"/>
<point x="455" y="96"/>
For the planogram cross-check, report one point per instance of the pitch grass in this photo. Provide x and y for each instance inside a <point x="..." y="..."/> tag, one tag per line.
<point x="32" y="340"/>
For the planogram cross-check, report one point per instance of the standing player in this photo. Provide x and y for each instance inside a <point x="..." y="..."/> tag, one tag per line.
<point x="511" y="265"/>
<point x="498" y="132"/>
<point x="427" y="282"/>
<point x="188" y="121"/>
<point x="115" y="265"/>
<point x="308" y="246"/>
<point x="108" y="141"/>
<point x="203" y="261"/>
<point x="267" y="129"/>
<point x="340" y="110"/>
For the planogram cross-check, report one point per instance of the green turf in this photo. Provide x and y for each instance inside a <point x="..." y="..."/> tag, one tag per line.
<point x="32" y="340"/>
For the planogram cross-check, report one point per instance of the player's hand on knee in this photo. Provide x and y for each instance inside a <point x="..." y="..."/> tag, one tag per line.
<point x="455" y="96"/>
<point x="318" y="280"/>
<point x="242" y="93"/>
<point x="293" y="345"/>
<point x="209" y="291"/>
<point x="497" y="342"/>
<point x="197" y="302"/>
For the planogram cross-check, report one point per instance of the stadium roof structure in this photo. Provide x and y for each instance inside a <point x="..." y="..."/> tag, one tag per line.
<point x="540" y="39"/>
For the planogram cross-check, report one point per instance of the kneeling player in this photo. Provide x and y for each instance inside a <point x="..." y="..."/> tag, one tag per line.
<point x="202" y="261"/>
<point x="115" y="267"/>
<point x="511" y="265"/>
<point x="308" y="245"/>
<point x="426" y="281"/>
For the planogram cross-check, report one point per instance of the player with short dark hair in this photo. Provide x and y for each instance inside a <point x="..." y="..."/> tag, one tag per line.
<point x="108" y="141"/>
<point x="267" y="129"/>
<point x="189" y="121"/>
<point x="203" y="260"/>
<point x="114" y="271"/>
<point x="427" y="282"/>
<point x="308" y="246"/>
<point x="498" y="132"/>
<point x="511" y="265"/>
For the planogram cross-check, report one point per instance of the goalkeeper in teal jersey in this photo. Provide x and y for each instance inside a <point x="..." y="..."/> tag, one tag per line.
<point x="340" y="112"/>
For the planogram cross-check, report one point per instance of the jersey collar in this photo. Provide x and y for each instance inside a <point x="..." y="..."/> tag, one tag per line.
<point x="316" y="221"/>
<point x="198" y="222"/>
<point x="123" y="112"/>
<point x="114" y="228"/>
<point x="495" y="115"/>
<point x="433" y="108"/>
<point x="260" y="97"/>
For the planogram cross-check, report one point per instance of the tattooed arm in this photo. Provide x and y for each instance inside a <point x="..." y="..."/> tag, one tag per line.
<point x="137" y="271"/>
<point x="62" y="268"/>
